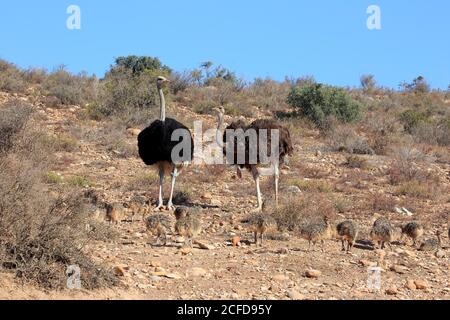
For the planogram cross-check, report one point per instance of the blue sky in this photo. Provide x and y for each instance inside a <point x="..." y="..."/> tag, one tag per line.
<point x="256" y="38"/>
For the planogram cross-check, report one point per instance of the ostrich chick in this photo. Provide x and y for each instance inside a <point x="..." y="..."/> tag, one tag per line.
<point x="317" y="231"/>
<point x="187" y="225"/>
<point x="158" y="224"/>
<point x="347" y="232"/>
<point x="382" y="232"/>
<point x="113" y="213"/>
<point x="432" y="244"/>
<point x="413" y="230"/>
<point x="260" y="223"/>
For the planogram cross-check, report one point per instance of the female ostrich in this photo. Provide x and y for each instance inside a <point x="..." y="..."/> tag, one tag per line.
<point x="156" y="144"/>
<point x="260" y="127"/>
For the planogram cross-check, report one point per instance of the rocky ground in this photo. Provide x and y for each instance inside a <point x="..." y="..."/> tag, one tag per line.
<point x="281" y="269"/>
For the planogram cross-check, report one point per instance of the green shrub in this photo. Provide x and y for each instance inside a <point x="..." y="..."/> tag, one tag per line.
<point x="412" y="119"/>
<point x="53" y="178"/>
<point x="318" y="102"/>
<point x="79" y="181"/>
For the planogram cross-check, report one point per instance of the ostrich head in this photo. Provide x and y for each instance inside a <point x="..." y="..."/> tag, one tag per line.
<point x="161" y="81"/>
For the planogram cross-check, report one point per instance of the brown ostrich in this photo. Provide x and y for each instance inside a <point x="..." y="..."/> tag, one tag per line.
<point x="253" y="157"/>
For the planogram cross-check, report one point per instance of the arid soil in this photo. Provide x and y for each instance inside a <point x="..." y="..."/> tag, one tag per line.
<point x="274" y="271"/>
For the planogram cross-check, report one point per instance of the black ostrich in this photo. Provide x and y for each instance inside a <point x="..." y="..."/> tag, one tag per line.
<point x="156" y="144"/>
<point x="257" y="168"/>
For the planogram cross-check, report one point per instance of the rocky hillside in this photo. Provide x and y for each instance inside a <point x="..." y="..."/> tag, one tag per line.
<point x="100" y="159"/>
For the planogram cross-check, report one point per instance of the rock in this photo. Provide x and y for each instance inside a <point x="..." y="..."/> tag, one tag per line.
<point x="380" y="252"/>
<point x="215" y="202"/>
<point x="119" y="271"/>
<point x="409" y="253"/>
<point x="236" y="241"/>
<point x="311" y="273"/>
<point x="185" y="250"/>
<point x="295" y="295"/>
<point x="399" y="269"/>
<point x="392" y="291"/>
<point x="179" y="240"/>
<point x="155" y="278"/>
<point x="204" y="246"/>
<point x="133" y="131"/>
<point x="173" y="276"/>
<point x="410" y="285"/>
<point x="158" y="273"/>
<point x="407" y="212"/>
<point x="283" y="251"/>
<point x="440" y="254"/>
<point x="155" y="263"/>
<point x="280" y="277"/>
<point x="206" y="196"/>
<point x="197" y="272"/>
<point x="367" y="263"/>
<point x="318" y="153"/>
<point x="293" y="189"/>
<point x="421" y="284"/>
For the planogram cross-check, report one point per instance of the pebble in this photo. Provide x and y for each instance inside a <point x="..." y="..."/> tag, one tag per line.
<point x="421" y="284"/>
<point x="311" y="273"/>
<point x="295" y="295"/>
<point x="197" y="272"/>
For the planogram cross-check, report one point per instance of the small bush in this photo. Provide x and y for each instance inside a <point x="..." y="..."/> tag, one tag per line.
<point x="61" y="142"/>
<point x="311" y="185"/>
<point x="11" y="78"/>
<point x="344" y="138"/>
<point x="418" y="189"/>
<point x="71" y="89"/>
<point x="356" y="162"/>
<point x="317" y="102"/>
<point x="412" y="119"/>
<point x="53" y="178"/>
<point x="79" y="181"/>
<point x="296" y="211"/>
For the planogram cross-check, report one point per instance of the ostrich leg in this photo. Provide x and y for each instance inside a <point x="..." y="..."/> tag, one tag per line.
<point x="255" y="174"/>
<point x="174" y="176"/>
<point x="161" y="180"/>
<point x="276" y="177"/>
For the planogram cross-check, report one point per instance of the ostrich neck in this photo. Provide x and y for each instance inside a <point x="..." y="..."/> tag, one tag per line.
<point x="219" y="132"/>
<point x="162" y="104"/>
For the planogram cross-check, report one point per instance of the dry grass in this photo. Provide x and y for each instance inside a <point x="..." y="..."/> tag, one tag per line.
<point x="41" y="234"/>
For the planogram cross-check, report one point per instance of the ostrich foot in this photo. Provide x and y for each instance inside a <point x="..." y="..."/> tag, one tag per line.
<point x="170" y="207"/>
<point x="159" y="207"/>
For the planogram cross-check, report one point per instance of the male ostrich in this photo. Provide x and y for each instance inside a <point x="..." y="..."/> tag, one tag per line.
<point x="155" y="146"/>
<point x="261" y="126"/>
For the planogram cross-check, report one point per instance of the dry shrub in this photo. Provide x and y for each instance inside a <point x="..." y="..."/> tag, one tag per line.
<point x="11" y="78"/>
<point x="416" y="189"/>
<point x="382" y="202"/>
<point x="343" y="137"/>
<point x="404" y="167"/>
<point x="294" y="211"/>
<point x="356" y="162"/>
<point x="41" y="233"/>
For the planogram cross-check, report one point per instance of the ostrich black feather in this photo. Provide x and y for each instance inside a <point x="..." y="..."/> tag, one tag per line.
<point x="155" y="142"/>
